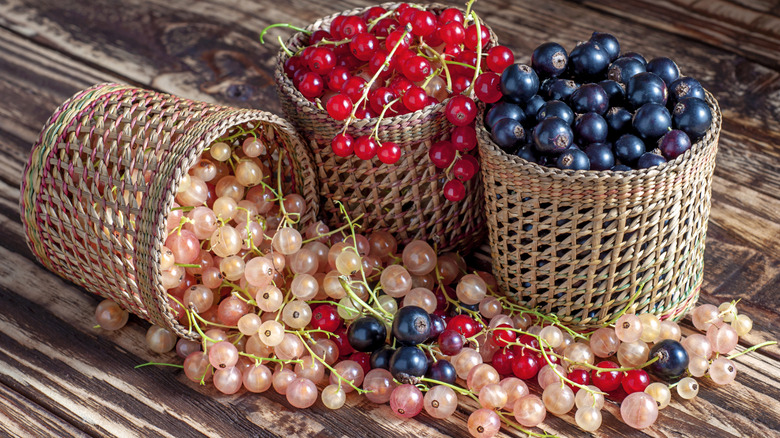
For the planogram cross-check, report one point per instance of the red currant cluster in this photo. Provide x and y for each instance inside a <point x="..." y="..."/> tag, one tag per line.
<point x="390" y="63"/>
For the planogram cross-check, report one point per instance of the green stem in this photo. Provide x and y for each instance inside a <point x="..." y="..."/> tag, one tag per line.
<point x="285" y="25"/>
<point x="505" y="418"/>
<point x="753" y="348"/>
<point x="269" y="359"/>
<point x="458" y="389"/>
<point x="160" y="364"/>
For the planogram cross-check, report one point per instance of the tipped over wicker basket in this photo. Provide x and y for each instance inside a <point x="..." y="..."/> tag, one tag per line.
<point x="581" y="244"/>
<point x="405" y="198"/>
<point x="102" y="179"/>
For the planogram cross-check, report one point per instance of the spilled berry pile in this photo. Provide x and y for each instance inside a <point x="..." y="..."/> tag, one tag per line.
<point x="322" y="314"/>
<point x="597" y="109"/>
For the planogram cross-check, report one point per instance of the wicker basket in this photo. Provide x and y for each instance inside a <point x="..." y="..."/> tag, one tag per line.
<point x="581" y="244"/>
<point x="406" y="198"/>
<point x="103" y="176"/>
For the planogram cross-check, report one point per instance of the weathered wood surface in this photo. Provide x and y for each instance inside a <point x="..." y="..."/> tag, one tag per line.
<point x="61" y="377"/>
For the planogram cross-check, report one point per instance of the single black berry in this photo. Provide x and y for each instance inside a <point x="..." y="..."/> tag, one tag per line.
<point x="665" y="68"/>
<point x="673" y="359"/>
<point x="646" y="88"/>
<point x="555" y="108"/>
<point x="503" y="110"/>
<point x="366" y="334"/>
<point x="600" y="156"/>
<point x="411" y="325"/>
<point x="590" y="128"/>
<point x="552" y="135"/>
<point x="589" y="98"/>
<point x="408" y="363"/>
<point x="507" y="133"/>
<point x="573" y="159"/>
<point x="648" y="160"/>
<point x="588" y="60"/>
<point x="608" y="42"/>
<point x="628" y="148"/>
<point x="519" y="83"/>
<point x="693" y="116"/>
<point x="619" y="121"/>
<point x="625" y="68"/>
<point x="549" y="60"/>
<point x="652" y="121"/>
<point x="381" y="357"/>
<point x="674" y="143"/>
<point x="685" y="87"/>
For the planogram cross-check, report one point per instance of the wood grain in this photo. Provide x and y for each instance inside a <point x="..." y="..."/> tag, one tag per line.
<point x="60" y="376"/>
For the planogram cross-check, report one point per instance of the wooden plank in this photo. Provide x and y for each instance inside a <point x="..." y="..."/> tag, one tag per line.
<point x="21" y="417"/>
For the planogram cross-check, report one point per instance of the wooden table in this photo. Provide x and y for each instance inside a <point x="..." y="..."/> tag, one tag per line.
<point x="61" y="377"/>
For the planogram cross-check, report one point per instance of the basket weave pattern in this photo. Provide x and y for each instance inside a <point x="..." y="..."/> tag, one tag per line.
<point x="406" y="198"/>
<point x="580" y="244"/>
<point x="102" y="179"/>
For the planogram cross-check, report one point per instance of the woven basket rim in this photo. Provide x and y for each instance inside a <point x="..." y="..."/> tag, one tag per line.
<point x="589" y="175"/>
<point x="296" y="41"/>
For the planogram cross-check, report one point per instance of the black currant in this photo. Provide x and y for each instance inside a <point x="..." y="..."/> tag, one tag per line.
<point x="507" y="133"/>
<point x="590" y="128"/>
<point x="673" y="359"/>
<point x="519" y="83"/>
<point x="552" y="135"/>
<point x="561" y="89"/>
<point x="628" y="148"/>
<point x="408" y="363"/>
<point x="366" y="334"/>
<point x="549" y="60"/>
<point x="532" y="106"/>
<point x="555" y="108"/>
<point x="652" y="121"/>
<point x="619" y="121"/>
<point x="685" y="87"/>
<point x="620" y="168"/>
<point x="692" y="116"/>
<point x="588" y="60"/>
<point x="625" y="68"/>
<point x="381" y="357"/>
<point x="608" y="42"/>
<point x="573" y="159"/>
<point x="589" y="98"/>
<point x="528" y="153"/>
<point x="411" y="325"/>
<point x="443" y="371"/>
<point x="616" y="92"/>
<point x="636" y="56"/>
<point x="503" y="110"/>
<point x="665" y="68"/>
<point x="649" y="159"/>
<point x="600" y="156"/>
<point x="646" y="88"/>
<point x="438" y="325"/>
<point x="674" y="143"/>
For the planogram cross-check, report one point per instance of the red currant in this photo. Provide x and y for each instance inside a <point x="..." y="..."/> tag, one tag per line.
<point x="635" y="381"/>
<point x="365" y="147"/>
<point x="454" y="190"/>
<point x="380" y="98"/>
<point x="415" y="98"/>
<point x="322" y="60"/>
<point x="463" y="324"/>
<point x="487" y="87"/>
<point x="339" y="107"/>
<point x="465" y="168"/>
<point x="377" y="62"/>
<point x="389" y="152"/>
<point x="416" y="68"/>
<point x="325" y="317"/>
<point x="529" y="341"/>
<point x="336" y="25"/>
<point x="353" y="88"/>
<point x="337" y="77"/>
<point x="450" y="342"/>
<point x="385" y="26"/>
<point x="503" y="337"/>
<point x="460" y="84"/>
<point x="460" y="110"/>
<point x="342" y="145"/>
<point x="433" y="39"/>
<point x="394" y="38"/>
<point x="292" y="65"/>
<point x="499" y="58"/>
<point x="319" y="35"/>
<point x="452" y="52"/>
<point x="607" y="380"/>
<point x="452" y="33"/>
<point x="311" y="85"/>
<point x="423" y="23"/>
<point x="373" y="13"/>
<point x="364" y="112"/>
<point x="464" y="138"/>
<point x="400" y="85"/>
<point x="451" y="14"/>
<point x="578" y="376"/>
<point x="345" y="349"/>
<point x="471" y="36"/>
<point x="441" y="154"/>
<point x="352" y="26"/>
<point x="405" y="15"/>
<point x="363" y="46"/>
<point x="525" y="365"/>
<point x="363" y="359"/>
<point x="502" y="361"/>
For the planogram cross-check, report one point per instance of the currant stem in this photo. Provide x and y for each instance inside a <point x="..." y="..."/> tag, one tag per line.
<point x="160" y="364"/>
<point x="506" y="420"/>
<point x="285" y="25"/>
<point x="751" y="349"/>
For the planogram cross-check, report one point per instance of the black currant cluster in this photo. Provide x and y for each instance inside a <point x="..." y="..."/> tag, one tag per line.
<point x="595" y="109"/>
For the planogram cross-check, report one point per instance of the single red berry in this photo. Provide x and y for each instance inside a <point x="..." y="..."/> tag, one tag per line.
<point x="352" y="26"/>
<point x="405" y="15"/>
<point x="487" y="87"/>
<point x="578" y="376"/>
<point x="365" y="147"/>
<point x="460" y="110"/>
<point x="394" y="38"/>
<point x="342" y="145"/>
<point x="499" y="58"/>
<point x="423" y="23"/>
<point x="463" y="138"/>
<point x="452" y="33"/>
<point x="345" y="349"/>
<point x="450" y="342"/>
<point x="607" y="380"/>
<point x="306" y="55"/>
<point x="416" y="68"/>
<point x="383" y="28"/>
<point x="529" y="341"/>
<point x="389" y="152"/>
<point x="454" y="190"/>
<point x="335" y="27"/>
<point x="635" y="381"/>
<point x="311" y="85"/>
<point x="319" y="35"/>
<point x="465" y="168"/>
<point x="353" y="88"/>
<point x="363" y="46"/>
<point x="325" y="317"/>
<point x="380" y="98"/>
<point x="433" y="39"/>
<point x="373" y="13"/>
<point x="463" y="324"/>
<point x="503" y="337"/>
<point x="363" y="359"/>
<point x="471" y="36"/>
<point x="292" y="65"/>
<point x="322" y="60"/>
<point x="400" y="85"/>
<point x="460" y="84"/>
<point x="339" y="107"/>
<point x="525" y="365"/>
<point x="452" y="52"/>
<point x="441" y="154"/>
<point x="415" y="98"/>
<point x="502" y="361"/>
<point x="337" y="77"/>
<point x="450" y="14"/>
<point x="364" y="112"/>
<point x="377" y="62"/>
